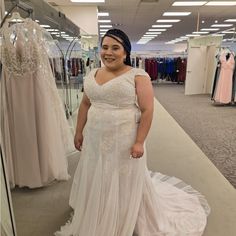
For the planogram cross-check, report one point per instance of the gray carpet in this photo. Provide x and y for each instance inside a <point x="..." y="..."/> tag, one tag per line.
<point x="212" y="127"/>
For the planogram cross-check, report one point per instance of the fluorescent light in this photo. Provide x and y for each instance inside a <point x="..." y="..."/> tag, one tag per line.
<point x="221" y="25"/>
<point x="218" y="34"/>
<point x="230" y="20"/>
<point x="157" y="30"/>
<point x="105" y="26"/>
<point x="37" y="21"/>
<point x="222" y="3"/>
<point x="184" y="37"/>
<point x="201" y="32"/>
<point x="176" y="13"/>
<point x="210" y="29"/>
<point x="162" y="26"/>
<point x="45" y="26"/>
<point x="228" y="32"/>
<point x="51" y="30"/>
<point x="156" y="33"/>
<point x="103" y="30"/>
<point x="87" y="1"/>
<point x="104" y="21"/>
<point x="189" y="3"/>
<point x="103" y="14"/>
<point x="193" y="35"/>
<point x="56" y="33"/>
<point x="168" y="21"/>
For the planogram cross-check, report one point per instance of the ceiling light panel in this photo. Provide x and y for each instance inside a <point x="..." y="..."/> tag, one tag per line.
<point x="176" y="13"/>
<point x="168" y="21"/>
<point x="189" y="3"/>
<point x="104" y="21"/>
<point x="160" y="30"/>
<point x="105" y="26"/>
<point x="210" y="29"/>
<point x="87" y="1"/>
<point x="230" y="20"/>
<point x="201" y="32"/>
<point x="103" y="14"/>
<point x="221" y="3"/>
<point x="221" y="25"/>
<point x="162" y="26"/>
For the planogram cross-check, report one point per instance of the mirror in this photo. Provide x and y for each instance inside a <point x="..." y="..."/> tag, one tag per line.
<point x="47" y="201"/>
<point x="7" y="216"/>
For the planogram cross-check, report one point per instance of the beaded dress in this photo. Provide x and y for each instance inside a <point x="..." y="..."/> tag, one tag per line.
<point x="35" y="130"/>
<point x="115" y="195"/>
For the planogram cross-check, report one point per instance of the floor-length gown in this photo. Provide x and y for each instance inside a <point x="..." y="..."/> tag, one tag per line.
<point x="225" y="82"/>
<point x="35" y="130"/>
<point x="115" y="195"/>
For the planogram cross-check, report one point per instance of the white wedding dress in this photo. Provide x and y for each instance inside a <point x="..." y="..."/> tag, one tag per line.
<point x="113" y="195"/>
<point x="36" y="133"/>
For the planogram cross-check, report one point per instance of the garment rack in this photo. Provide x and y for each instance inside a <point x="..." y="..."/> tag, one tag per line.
<point x="17" y="5"/>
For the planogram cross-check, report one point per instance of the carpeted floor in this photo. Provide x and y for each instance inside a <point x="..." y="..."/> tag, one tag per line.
<point x="212" y="127"/>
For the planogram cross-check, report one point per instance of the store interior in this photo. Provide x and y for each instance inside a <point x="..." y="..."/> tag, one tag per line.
<point x="193" y="133"/>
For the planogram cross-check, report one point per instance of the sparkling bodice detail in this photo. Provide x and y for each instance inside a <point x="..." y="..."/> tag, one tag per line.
<point x="23" y="47"/>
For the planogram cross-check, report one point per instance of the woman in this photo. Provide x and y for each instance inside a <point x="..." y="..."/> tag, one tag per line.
<point x="113" y="194"/>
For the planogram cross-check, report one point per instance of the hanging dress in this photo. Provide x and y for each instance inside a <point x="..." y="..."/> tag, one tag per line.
<point x="35" y="130"/>
<point x="115" y="195"/>
<point x="223" y="92"/>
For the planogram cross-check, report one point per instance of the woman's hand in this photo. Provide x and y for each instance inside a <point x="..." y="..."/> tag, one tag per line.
<point x="137" y="150"/>
<point x="78" y="141"/>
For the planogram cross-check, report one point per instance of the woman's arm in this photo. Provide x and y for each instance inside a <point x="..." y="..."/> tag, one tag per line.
<point x="144" y="93"/>
<point x="81" y="121"/>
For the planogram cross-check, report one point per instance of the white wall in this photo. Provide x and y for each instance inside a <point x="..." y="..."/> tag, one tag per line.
<point x="83" y="16"/>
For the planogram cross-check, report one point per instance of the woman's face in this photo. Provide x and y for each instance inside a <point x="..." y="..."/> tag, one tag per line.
<point x="112" y="53"/>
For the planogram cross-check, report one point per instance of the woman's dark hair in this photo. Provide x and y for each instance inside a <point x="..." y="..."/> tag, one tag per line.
<point x="123" y="39"/>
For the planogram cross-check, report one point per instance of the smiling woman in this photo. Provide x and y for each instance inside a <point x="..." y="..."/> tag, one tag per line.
<point x="113" y="193"/>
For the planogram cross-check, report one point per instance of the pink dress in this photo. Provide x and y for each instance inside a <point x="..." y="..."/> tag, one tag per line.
<point x="224" y="87"/>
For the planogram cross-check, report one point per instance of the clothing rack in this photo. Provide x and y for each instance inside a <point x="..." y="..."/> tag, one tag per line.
<point x="20" y="5"/>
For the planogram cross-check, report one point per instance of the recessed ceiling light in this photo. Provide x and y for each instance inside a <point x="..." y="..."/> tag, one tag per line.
<point x="45" y="26"/>
<point x="105" y="26"/>
<point x="221" y="25"/>
<point x="162" y="26"/>
<point x="200" y="32"/>
<point x="203" y="21"/>
<point x="6" y="12"/>
<point x="218" y="34"/>
<point x="189" y="3"/>
<point x="104" y="21"/>
<point x="161" y="30"/>
<point x="168" y="21"/>
<point x="230" y="20"/>
<point x="192" y="35"/>
<point x="176" y="13"/>
<point x="228" y="32"/>
<point x="103" y="14"/>
<point x="87" y="1"/>
<point x="153" y="33"/>
<point x="221" y="3"/>
<point x="216" y="21"/>
<point x="210" y="29"/>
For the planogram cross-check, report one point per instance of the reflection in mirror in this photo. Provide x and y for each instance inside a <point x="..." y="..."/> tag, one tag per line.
<point x="7" y="216"/>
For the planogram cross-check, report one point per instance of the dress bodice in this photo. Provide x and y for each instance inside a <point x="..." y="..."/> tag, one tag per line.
<point x="23" y="47"/>
<point x="119" y="92"/>
<point x="229" y="63"/>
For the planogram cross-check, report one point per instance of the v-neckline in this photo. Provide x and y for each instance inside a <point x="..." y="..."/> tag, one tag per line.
<point x="110" y="79"/>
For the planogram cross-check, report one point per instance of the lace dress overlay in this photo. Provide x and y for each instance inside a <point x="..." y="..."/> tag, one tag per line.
<point x="115" y="195"/>
<point x="36" y="132"/>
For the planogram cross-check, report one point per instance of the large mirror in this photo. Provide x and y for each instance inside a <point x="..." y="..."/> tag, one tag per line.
<point x="38" y="115"/>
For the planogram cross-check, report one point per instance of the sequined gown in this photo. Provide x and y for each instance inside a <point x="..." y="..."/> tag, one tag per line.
<point x="113" y="195"/>
<point x="35" y="130"/>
